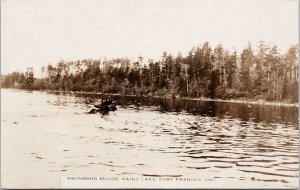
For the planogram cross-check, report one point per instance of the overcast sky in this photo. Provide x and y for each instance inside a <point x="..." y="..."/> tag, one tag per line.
<point x="38" y="32"/>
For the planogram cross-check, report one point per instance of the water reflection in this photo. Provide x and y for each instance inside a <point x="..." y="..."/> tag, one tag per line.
<point x="247" y="112"/>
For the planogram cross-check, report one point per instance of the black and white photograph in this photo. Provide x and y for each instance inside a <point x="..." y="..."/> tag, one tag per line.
<point x="149" y="94"/>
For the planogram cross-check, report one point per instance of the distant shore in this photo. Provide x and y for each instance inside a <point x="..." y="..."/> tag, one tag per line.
<point x="241" y="101"/>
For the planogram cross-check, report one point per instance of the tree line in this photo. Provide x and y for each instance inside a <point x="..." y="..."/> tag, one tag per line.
<point x="262" y="74"/>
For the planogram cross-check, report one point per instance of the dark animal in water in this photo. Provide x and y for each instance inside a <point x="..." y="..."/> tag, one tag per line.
<point x="104" y="107"/>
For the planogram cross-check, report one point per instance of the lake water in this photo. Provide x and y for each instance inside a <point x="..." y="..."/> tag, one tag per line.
<point x="45" y="136"/>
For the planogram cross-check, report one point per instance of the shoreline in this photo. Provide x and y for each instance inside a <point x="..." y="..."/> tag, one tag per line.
<point x="240" y="101"/>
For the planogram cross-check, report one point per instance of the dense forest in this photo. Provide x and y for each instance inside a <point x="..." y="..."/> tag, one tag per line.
<point x="262" y="74"/>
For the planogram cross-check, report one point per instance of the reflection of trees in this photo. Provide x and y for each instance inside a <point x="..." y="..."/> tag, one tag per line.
<point x="255" y="112"/>
<point x="212" y="109"/>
